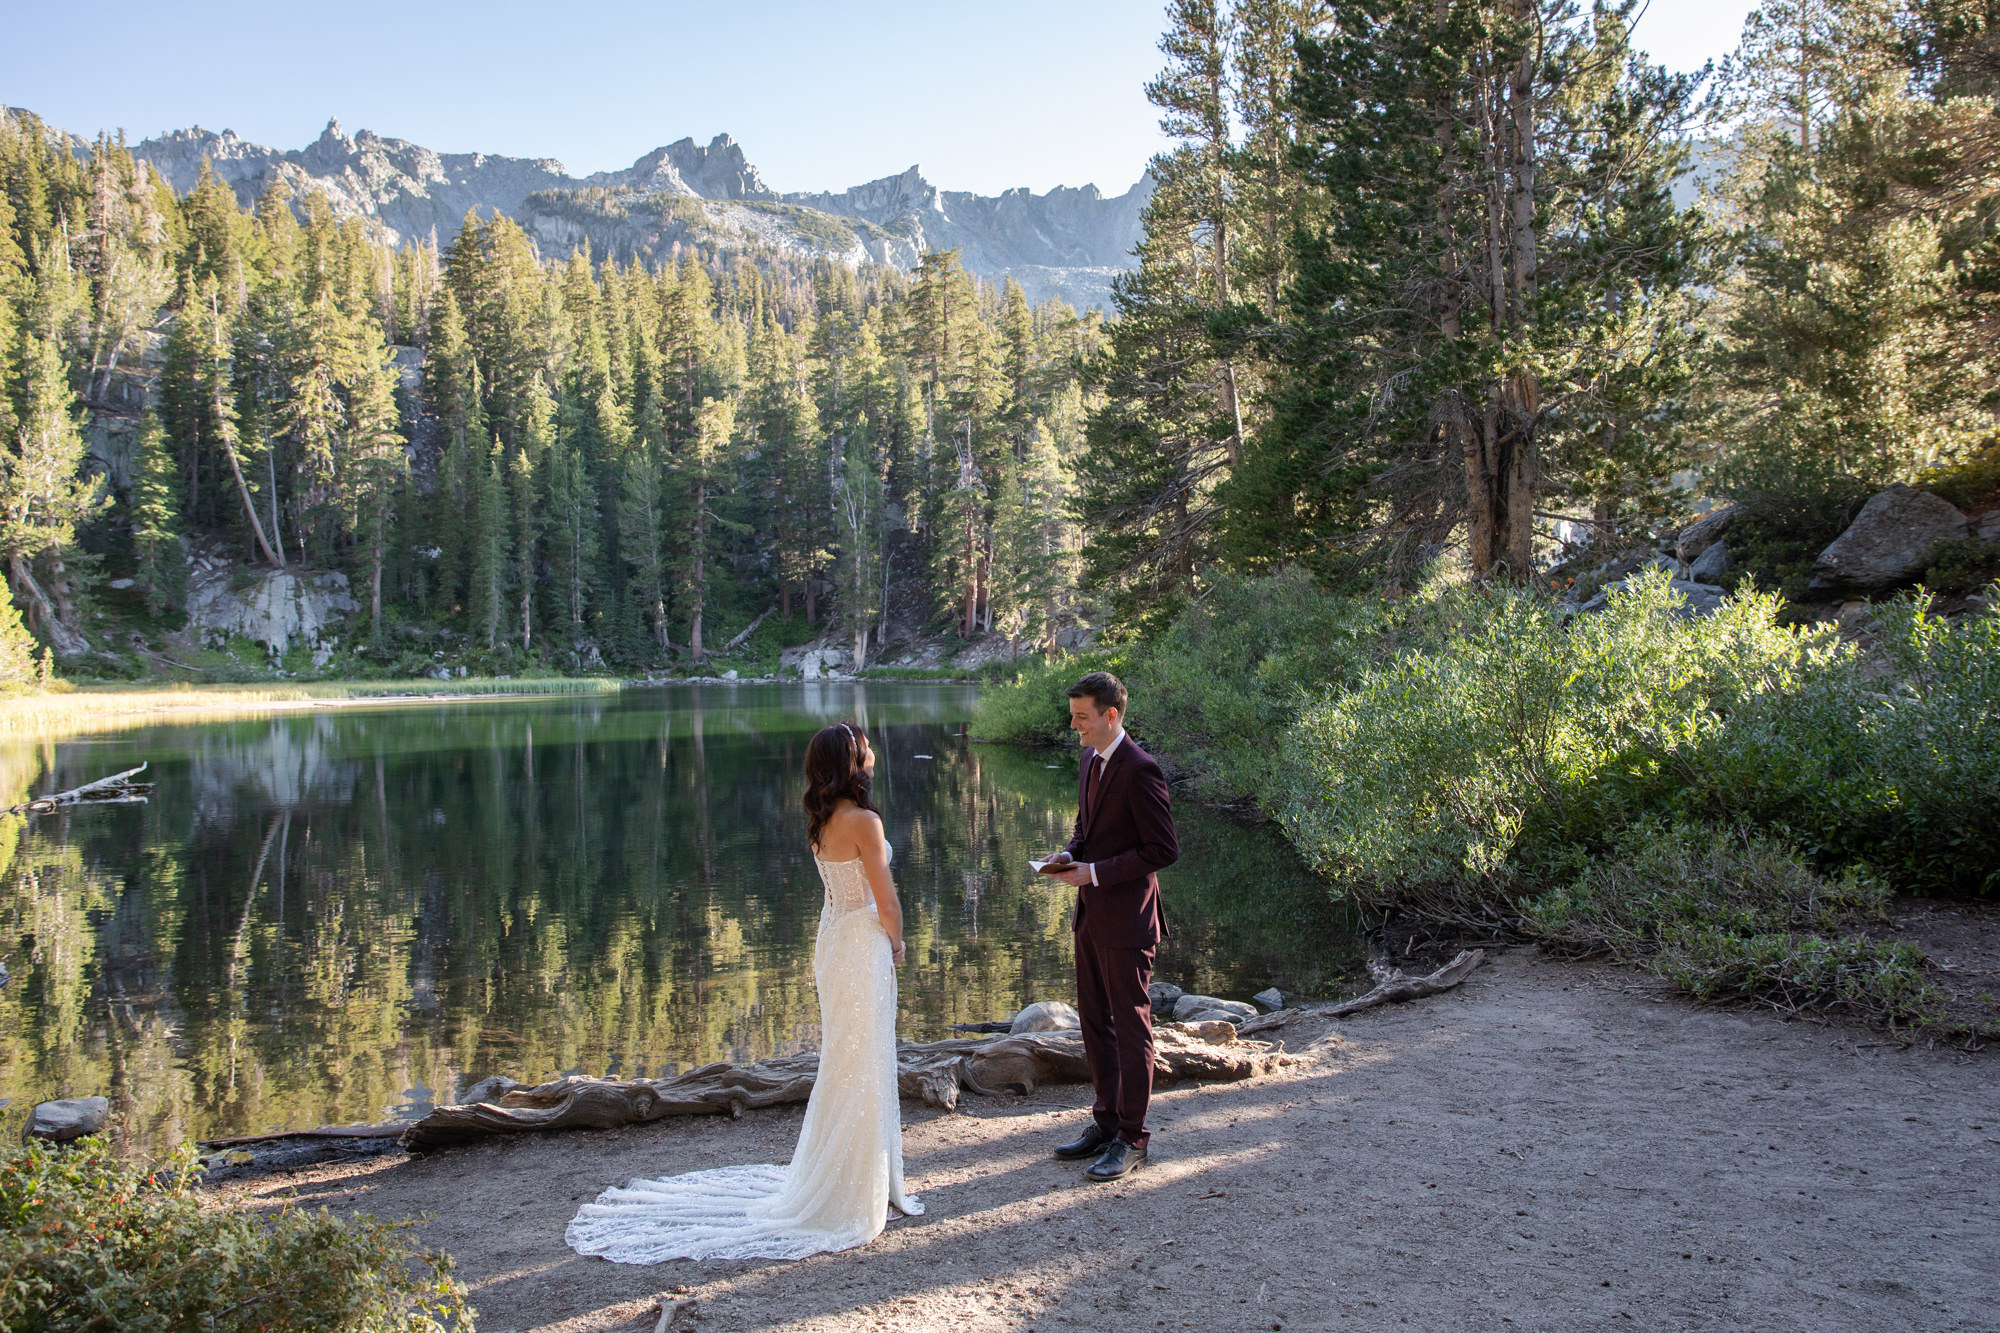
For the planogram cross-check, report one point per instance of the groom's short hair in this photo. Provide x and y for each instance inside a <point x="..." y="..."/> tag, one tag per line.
<point x="1101" y="688"/>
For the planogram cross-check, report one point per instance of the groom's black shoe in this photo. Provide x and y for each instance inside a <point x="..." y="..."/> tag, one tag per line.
<point x="1092" y="1141"/>
<point x="1121" y="1158"/>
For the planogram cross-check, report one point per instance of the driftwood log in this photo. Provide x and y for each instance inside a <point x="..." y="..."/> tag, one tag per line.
<point x="932" y="1072"/>
<point x="1392" y="986"/>
<point x="118" y="789"/>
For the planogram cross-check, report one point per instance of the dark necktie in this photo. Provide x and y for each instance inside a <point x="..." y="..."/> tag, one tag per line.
<point x="1096" y="776"/>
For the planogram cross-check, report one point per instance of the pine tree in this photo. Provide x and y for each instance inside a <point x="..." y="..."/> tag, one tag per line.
<point x="156" y="541"/>
<point x="1858" y="318"/>
<point x="572" y="528"/>
<point x="702" y="465"/>
<point x="1496" y="309"/>
<point x="489" y="550"/>
<point x="375" y="464"/>
<point x="43" y="494"/>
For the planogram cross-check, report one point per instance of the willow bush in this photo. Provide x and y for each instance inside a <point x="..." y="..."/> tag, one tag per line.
<point x="1895" y="766"/>
<point x="88" y="1242"/>
<point x="1529" y="730"/>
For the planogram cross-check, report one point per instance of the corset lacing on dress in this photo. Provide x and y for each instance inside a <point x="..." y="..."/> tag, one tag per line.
<point x="846" y="889"/>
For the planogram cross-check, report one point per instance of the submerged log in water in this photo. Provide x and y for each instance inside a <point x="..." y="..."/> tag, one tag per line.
<point x="932" y="1072"/>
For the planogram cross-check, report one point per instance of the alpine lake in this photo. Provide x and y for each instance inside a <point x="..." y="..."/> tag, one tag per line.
<point x="347" y="914"/>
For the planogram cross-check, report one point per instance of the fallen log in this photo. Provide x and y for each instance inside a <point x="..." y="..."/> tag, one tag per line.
<point x="118" y="789"/>
<point x="1393" y="986"/>
<point x="737" y="642"/>
<point x="933" y="1072"/>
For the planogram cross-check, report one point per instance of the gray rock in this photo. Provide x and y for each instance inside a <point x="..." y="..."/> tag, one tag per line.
<point x="277" y="608"/>
<point x="1989" y="528"/>
<point x="1163" y="994"/>
<point x="1204" y="1008"/>
<point x="1046" y="1016"/>
<point x="64" y="1121"/>
<point x="1712" y="565"/>
<point x="487" y="1090"/>
<point x="1886" y="544"/>
<point x="1272" y="999"/>
<point x="1705" y="531"/>
<point x="1702" y="598"/>
<point x="119" y="584"/>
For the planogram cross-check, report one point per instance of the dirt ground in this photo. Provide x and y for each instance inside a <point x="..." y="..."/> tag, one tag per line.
<point x="1549" y="1147"/>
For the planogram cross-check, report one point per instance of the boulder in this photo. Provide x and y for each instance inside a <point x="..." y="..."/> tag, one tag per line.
<point x="1989" y="528"/>
<point x="64" y="1121"/>
<point x="1886" y="543"/>
<point x="1163" y="995"/>
<point x="1704" y="532"/>
<point x="1046" y="1016"/>
<point x="1712" y="565"/>
<point x="1272" y="999"/>
<point x="1205" y="1008"/>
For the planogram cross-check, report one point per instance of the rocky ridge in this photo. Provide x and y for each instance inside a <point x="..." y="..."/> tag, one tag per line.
<point x="1069" y="242"/>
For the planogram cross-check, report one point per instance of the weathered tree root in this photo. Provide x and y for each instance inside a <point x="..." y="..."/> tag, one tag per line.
<point x="1393" y="987"/>
<point x="932" y="1072"/>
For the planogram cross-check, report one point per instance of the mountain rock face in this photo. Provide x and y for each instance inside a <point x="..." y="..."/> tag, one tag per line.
<point x="1068" y="242"/>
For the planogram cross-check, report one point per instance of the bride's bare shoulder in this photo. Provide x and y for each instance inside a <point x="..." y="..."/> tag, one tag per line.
<point x="853" y="820"/>
<point x="850" y="831"/>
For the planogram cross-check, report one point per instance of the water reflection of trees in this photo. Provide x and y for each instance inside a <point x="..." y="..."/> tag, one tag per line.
<point x="346" y="915"/>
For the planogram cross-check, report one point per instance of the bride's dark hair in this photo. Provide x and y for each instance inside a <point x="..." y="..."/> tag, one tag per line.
<point x="833" y="774"/>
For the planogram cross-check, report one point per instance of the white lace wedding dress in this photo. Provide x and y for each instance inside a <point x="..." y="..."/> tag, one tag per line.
<point x="848" y="1167"/>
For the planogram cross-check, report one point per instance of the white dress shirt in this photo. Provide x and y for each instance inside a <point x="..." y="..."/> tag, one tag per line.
<point x="1095" y="778"/>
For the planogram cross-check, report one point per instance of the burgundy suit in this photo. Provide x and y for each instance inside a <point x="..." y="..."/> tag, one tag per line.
<point x="1125" y="828"/>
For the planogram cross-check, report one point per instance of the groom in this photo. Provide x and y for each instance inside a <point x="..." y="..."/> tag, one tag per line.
<point x="1124" y="836"/>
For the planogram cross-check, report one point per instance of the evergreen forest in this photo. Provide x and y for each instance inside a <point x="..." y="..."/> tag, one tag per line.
<point x="1473" y="283"/>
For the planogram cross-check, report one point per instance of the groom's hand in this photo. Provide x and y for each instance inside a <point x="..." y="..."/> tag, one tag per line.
<point x="1076" y="875"/>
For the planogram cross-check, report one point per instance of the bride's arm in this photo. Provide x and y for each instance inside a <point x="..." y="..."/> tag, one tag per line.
<point x="874" y="849"/>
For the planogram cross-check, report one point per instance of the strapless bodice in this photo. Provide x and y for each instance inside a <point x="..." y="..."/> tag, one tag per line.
<point x="846" y="885"/>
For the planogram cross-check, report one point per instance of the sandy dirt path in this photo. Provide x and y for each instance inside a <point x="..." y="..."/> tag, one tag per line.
<point x="1550" y="1147"/>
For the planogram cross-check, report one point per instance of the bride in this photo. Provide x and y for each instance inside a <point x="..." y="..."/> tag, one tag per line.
<point x="848" y="1167"/>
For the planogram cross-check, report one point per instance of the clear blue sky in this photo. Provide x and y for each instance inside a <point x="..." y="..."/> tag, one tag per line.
<point x="823" y="95"/>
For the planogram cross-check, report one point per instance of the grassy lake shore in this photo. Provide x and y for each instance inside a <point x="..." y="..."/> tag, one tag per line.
<point x="93" y="708"/>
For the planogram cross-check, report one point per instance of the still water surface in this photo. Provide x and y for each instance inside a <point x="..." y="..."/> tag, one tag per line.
<point x="349" y="914"/>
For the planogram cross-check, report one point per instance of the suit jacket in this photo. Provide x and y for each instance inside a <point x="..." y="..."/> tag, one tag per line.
<point x="1126" y="829"/>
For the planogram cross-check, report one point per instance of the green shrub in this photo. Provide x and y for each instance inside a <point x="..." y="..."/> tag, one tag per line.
<point x="1032" y="709"/>
<point x="1658" y="881"/>
<point x="1901" y="773"/>
<point x="1971" y="484"/>
<point x="1733" y="914"/>
<point x="1878" y="981"/>
<point x="1221" y="685"/>
<point x="1420" y="785"/>
<point x="88" y="1242"/>
<point x="1961" y="566"/>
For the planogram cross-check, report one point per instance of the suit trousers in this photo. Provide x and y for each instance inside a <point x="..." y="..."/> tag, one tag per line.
<point x="1117" y="1016"/>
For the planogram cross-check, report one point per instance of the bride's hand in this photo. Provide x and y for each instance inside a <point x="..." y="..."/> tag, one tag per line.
<point x="896" y="953"/>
